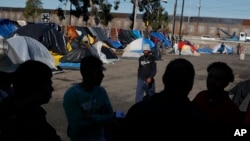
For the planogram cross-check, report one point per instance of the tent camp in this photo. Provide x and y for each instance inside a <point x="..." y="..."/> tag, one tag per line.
<point x="73" y="58"/>
<point x="19" y="49"/>
<point x="134" y="49"/>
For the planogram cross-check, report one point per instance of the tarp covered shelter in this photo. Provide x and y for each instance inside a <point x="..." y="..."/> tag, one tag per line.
<point x="73" y="58"/>
<point x="22" y="48"/>
<point x="52" y="39"/>
<point x="161" y="37"/>
<point x="105" y="53"/>
<point x="7" y="27"/>
<point x="100" y="33"/>
<point x="241" y="94"/>
<point x="125" y="36"/>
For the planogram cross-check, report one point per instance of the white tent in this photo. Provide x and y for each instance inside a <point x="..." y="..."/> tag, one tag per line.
<point x="98" y="45"/>
<point x="21" y="48"/>
<point x="134" y="49"/>
<point x="227" y="49"/>
<point x="185" y="50"/>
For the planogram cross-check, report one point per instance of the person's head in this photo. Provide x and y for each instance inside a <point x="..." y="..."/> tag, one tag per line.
<point x="179" y="76"/>
<point x="219" y="76"/>
<point x="146" y="49"/>
<point x="33" y="81"/>
<point x="91" y="69"/>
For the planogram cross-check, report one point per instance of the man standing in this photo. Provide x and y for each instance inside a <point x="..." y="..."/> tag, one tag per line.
<point x="87" y="105"/>
<point x="238" y="49"/>
<point x="146" y="73"/>
<point x="222" y="48"/>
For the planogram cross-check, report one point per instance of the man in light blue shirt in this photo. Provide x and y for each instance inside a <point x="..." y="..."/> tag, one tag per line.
<point x="87" y="105"/>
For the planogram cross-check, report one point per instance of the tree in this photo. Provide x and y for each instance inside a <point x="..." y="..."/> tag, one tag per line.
<point x="154" y="14"/>
<point x="33" y="9"/>
<point x="158" y="18"/>
<point x="82" y="9"/>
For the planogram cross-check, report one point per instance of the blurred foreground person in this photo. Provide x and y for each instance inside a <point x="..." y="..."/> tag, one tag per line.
<point x="6" y="80"/>
<point x="168" y="114"/>
<point x="223" y="114"/>
<point x="87" y="105"/>
<point x="21" y="116"/>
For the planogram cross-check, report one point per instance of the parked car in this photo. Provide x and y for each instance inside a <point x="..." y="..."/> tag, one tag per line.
<point x="207" y="37"/>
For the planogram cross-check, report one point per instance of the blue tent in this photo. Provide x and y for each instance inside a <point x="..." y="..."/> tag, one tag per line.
<point x="115" y="44"/>
<point x="137" y="33"/>
<point x="7" y="27"/>
<point x="161" y="37"/>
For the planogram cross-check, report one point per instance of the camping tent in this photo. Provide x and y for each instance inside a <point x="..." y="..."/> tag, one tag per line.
<point x="228" y="49"/>
<point x="134" y="49"/>
<point x="22" y="48"/>
<point x="105" y="53"/>
<point x="47" y="35"/>
<point x="186" y="48"/>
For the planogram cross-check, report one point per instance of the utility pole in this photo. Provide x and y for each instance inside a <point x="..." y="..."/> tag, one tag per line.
<point x="199" y="7"/>
<point x="188" y="17"/>
<point x="135" y="12"/>
<point x="180" y="32"/>
<point x="172" y="37"/>
<point x="70" y="12"/>
<point x="199" y="10"/>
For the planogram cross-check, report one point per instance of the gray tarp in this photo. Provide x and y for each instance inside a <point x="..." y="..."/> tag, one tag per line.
<point x="23" y="48"/>
<point x="241" y="94"/>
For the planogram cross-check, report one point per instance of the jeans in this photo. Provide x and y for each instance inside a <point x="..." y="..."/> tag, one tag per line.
<point x="143" y="87"/>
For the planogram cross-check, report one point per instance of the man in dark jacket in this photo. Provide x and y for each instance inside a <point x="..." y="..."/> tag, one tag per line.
<point x="146" y="74"/>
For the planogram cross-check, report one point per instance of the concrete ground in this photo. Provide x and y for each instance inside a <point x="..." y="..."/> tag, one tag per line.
<point x="120" y="82"/>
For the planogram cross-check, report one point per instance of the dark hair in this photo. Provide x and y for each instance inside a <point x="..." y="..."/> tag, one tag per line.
<point x="29" y="74"/>
<point x="179" y="74"/>
<point x="225" y="68"/>
<point x="89" y="64"/>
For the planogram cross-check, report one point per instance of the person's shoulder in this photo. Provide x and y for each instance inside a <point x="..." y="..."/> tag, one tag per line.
<point x="152" y="57"/>
<point x="140" y="108"/>
<point x="101" y="88"/>
<point x="71" y="90"/>
<point x="142" y="56"/>
<point x="73" y="87"/>
<point x="200" y="95"/>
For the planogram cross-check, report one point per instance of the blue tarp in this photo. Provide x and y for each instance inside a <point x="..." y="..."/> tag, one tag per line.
<point x="205" y="50"/>
<point x="115" y="44"/>
<point x="161" y="37"/>
<point x="69" y="65"/>
<point x="7" y="27"/>
<point x="147" y="41"/>
<point x="137" y="33"/>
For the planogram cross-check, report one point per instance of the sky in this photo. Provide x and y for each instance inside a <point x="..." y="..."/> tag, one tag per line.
<point x="238" y="9"/>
